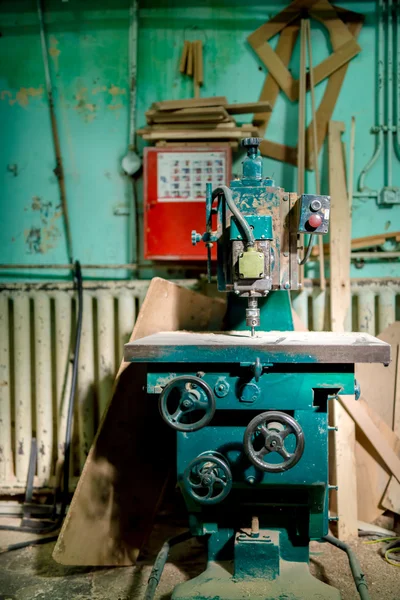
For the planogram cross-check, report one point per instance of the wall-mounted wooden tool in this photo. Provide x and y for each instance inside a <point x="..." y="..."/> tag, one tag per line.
<point x="353" y="21"/>
<point x="191" y="63"/>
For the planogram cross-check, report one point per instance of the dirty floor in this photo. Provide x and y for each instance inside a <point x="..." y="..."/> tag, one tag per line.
<point x="31" y="573"/>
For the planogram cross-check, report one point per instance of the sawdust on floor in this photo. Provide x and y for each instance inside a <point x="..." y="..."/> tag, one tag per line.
<point x="31" y="573"/>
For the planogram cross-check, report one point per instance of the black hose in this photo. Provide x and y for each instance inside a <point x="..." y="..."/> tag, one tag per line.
<point x="48" y="528"/>
<point x="358" y="575"/>
<point x="38" y="542"/>
<point x="160" y="561"/>
<point x="308" y="251"/>
<point x="246" y="229"/>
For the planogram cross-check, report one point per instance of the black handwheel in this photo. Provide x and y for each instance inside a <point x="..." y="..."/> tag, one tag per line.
<point x="208" y="478"/>
<point x="187" y="403"/>
<point x="266" y="434"/>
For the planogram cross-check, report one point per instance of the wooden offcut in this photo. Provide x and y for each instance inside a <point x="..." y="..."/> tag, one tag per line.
<point x="190" y="103"/>
<point x="124" y="477"/>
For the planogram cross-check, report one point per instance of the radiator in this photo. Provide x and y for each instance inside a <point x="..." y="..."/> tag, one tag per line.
<point x="36" y="340"/>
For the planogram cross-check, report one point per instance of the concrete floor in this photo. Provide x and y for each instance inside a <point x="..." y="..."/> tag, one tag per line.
<point x="31" y="573"/>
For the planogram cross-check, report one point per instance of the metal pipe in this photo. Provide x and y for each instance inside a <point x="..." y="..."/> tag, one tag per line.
<point x="133" y="32"/>
<point x="378" y="129"/>
<point x="226" y="192"/>
<point x="160" y="561"/>
<point x="59" y="170"/>
<point x="396" y="138"/>
<point x="389" y="96"/>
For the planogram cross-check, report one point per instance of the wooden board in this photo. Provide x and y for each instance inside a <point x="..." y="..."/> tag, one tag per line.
<point x="340" y="298"/>
<point x="378" y="383"/>
<point x="209" y="113"/>
<point x="123" y="480"/>
<point x="281" y="347"/>
<point x="343" y="469"/>
<point x="196" y="134"/>
<point x="189" y="103"/>
<point x="375" y="437"/>
<point x="340" y="231"/>
<point x="391" y="499"/>
<point x="372" y="474"/>
<point x="244" y="108"/>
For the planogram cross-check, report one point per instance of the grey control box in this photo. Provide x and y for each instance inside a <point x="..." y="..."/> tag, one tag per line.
<point x="314" y="214"/>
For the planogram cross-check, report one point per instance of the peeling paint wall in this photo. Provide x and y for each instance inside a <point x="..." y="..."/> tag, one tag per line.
<point x="88" y="51"/>
<point x="88" y="55"/>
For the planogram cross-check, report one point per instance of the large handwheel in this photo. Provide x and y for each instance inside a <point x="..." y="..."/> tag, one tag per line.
<point x="266" y="434"/>
<point x="187" y="403"/>
<point x="208" y="478"/>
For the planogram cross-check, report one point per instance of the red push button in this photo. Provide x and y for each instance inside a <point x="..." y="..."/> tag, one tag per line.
<point x="315" y="221"/>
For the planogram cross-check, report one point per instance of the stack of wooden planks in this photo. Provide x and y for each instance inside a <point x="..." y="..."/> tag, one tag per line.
<point x="200" y="120"/>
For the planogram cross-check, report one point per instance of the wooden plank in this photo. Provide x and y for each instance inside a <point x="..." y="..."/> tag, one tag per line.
<point x="396" y="408"/>
<point x="287" y="347"/>
<point x="200" y="68"/>
<point x="121" y="486"/>
<point x="194" y="134"/>
<point x="189" y="66"/>
<point x="270" y="90"/>
<point x="212" y="113"/>
<point x="340" y="231"/>
<point x="391" y="499"/>
<point x="372" y="474"/>
<point x="190" y="103"/>
<point x="279" y="152"/>
<point x="344" y="500"/>
<point x="244" y="108"/>
<point x="184" y="57"/>
<point x="340" y="234"/>
<point x="379" y="382"/>
<point x="367" y="426"/>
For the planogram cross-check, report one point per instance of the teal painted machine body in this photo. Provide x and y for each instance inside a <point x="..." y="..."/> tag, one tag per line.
<point x="253" y="470"/>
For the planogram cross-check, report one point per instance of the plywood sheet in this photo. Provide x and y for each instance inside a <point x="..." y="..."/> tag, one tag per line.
<point x="124" y="477"/>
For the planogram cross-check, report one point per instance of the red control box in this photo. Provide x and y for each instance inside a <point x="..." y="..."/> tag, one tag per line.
<point x="174" y="198"/>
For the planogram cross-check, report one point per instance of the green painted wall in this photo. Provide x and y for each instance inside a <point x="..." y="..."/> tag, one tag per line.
<point x="88" y="44"/>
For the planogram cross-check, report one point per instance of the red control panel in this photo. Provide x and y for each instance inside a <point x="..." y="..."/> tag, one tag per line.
<point x="174" y="198"/>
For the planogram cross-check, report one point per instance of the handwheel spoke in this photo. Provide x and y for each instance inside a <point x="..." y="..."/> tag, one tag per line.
<point x="287" y="431"/>
<point x="210" y="492"/>
<point x="264" y="430"/>
<point x="221" y="481"/>
<point x="262" y="452"/>
<point x="195" y="485"/>
<point x="177" y="415"/>
<point x="284" y="453"/>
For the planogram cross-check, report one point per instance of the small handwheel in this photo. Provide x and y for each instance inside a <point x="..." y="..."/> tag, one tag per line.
<point x="208" y="478"/>
<point x="266" y="434"/>
<point x="187" y="403"/>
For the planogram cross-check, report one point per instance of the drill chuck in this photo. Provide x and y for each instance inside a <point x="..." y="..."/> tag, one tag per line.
<point x="252" y="314"/>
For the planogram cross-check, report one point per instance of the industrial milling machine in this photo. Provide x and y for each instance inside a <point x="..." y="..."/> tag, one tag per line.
<point x="250" y="404"/>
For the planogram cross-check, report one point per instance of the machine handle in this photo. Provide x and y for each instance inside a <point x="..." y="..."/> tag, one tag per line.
<point x="262" y="438"/>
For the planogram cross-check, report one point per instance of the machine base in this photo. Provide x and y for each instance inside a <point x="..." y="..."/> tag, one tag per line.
<point x="217" y="583"/>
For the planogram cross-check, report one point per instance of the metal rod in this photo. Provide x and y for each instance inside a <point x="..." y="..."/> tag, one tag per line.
<point x="59" y="169"/>
<point x="378" y="129"/>
<point x="389" y="95"/>
<point x="315" y="151"/>
<point x="396" y="138"/>
<point x="351" y="162"/>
